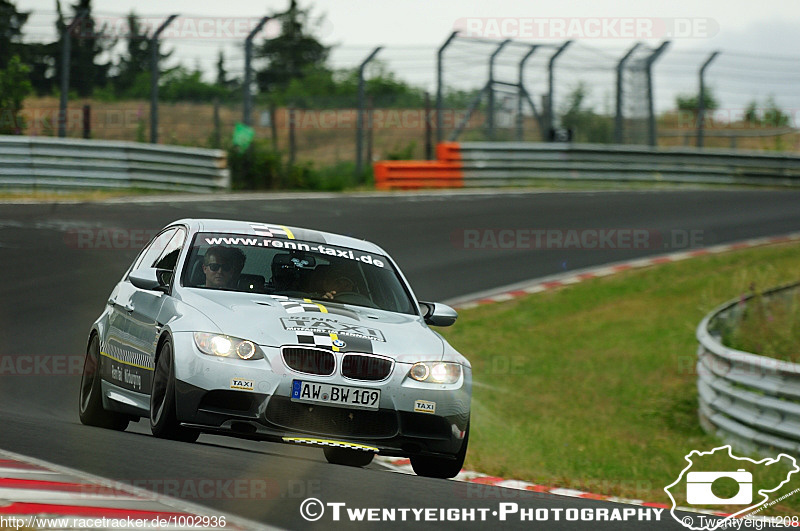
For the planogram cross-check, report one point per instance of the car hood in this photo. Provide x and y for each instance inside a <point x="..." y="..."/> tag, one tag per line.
<point x="271" y="320"/>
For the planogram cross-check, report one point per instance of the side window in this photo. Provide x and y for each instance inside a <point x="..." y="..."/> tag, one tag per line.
<point x="154" y="250"/>
<point x="169" y="257"/>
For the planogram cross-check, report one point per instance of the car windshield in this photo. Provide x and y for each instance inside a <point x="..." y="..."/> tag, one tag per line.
<point x="294" y="268"/>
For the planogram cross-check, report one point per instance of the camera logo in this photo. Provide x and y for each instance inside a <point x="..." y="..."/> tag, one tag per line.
<point x="698" y="488"/>
<point x="720" y="478"/>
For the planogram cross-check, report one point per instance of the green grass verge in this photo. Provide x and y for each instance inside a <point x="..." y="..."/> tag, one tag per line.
<point x="769" y="326"/>
<point x="593" y="386"/>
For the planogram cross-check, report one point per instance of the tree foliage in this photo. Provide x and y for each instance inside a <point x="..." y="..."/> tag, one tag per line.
<point x="692" y="102"/>
<point x="294" y="54"/>
<point x="11" y="23"/>
<point x="587" y="125"/>
<point x="88" y="44"/>
<point x="14" y="87"/>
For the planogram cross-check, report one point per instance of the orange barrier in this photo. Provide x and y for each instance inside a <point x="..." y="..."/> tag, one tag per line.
<point x="412" y="174"/>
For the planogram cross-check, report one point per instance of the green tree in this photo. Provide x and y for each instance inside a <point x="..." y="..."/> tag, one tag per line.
<point x="14" y="87"/>
<point x="293" y="54"/>
<point x="691" y="102"/>
<point x="181" y="84"/>
<point x="11" y="23"/>
<point x="88" y="44"/>
<point x="770" y="115"/>
<point x="774" y="115"/>
<point x="751" y="113"/>
<point x="587" y="126"/>
<point x="133" y="67"/>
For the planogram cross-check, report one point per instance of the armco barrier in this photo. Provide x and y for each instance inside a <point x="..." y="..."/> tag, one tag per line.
<point x="39" y="162"/>
<point x="750" y="401"/>
<point x="514" y="163"/>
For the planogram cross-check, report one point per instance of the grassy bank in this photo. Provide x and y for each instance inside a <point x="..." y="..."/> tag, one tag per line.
<point x="593" y="386"/>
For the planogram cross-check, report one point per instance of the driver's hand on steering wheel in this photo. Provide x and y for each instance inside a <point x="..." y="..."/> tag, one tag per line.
<point x="338" y="285"/>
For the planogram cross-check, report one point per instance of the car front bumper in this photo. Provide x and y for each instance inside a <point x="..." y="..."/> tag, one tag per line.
<point x="210" y="397"/>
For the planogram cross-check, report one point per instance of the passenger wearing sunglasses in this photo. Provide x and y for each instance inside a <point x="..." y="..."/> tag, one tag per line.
<point x="222" y="266"/>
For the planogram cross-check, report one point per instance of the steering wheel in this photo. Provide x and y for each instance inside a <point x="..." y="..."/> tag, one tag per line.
<point x="352" y="297"/>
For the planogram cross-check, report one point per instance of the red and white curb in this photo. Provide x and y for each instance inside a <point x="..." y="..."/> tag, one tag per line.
<point x="513" y="291"/>
<point x="403" y="466"/>
<point x="40" y="495"/>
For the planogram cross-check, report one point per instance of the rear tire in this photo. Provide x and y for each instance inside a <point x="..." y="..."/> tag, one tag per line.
<point x="90" y="401"/>
<point x="347" y="457"/>
<point x="441" y="467"/>
<point x="163" y="417"/>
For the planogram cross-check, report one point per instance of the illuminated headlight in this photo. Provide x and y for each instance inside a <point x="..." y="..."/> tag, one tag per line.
<point x="226" y="346"/>
<point x="435" y="372"/>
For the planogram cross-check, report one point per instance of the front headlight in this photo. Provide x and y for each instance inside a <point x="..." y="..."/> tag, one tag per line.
<point x="439" y="372"/>
<point x="223" y="346"/>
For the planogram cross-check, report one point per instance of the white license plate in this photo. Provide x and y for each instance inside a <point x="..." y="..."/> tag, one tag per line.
<point x="339" y="395"/>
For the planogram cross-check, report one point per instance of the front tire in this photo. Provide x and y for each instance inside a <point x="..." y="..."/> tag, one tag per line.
<point x="90" y="401"/>
<point x="163" y="417"/>
<point x="347" y="457"/>
<point x="441" y="467"/>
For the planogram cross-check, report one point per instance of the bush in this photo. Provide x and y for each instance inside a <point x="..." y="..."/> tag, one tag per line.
<point x="257" y="168"/>
<point x="262" y="168"/>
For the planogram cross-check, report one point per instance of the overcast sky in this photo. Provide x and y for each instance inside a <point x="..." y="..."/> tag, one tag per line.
<point x="742" y="23"/>
<point x="412" y="29"/>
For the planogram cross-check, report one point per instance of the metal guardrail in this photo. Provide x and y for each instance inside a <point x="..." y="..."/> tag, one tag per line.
<point x="39" y="162"/>
<point x="461" y="164"/>
<point x="506" y="163"/>
<point x="751" y="401"/>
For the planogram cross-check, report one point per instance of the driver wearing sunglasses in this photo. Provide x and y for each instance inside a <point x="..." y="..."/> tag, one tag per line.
<point x="222" y="266"/>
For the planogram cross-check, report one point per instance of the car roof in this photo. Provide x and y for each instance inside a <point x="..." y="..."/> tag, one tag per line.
<point x="257" y="228"/>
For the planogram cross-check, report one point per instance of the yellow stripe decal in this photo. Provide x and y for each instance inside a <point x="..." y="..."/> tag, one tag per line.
<point x="109" y="356"/>
<point x="334" y="337"/>
<point x="322" y="308"/>
<point x="328" y="442"/>
<point x="288" y="232"/>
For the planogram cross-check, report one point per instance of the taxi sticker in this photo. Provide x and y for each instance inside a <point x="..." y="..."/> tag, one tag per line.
<point x="423" y="406"/>
<point x="241" y="383"/>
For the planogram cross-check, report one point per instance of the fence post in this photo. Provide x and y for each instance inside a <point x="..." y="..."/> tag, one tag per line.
<point x="248" y="72"/>
<point x="701" y="102"/>
<point x="369" y="130"/>
<point x="490" y="84"/>
<point x="66" y="49"/>
<point x="216" y="140"/>
<point x="523" y="93"/>
<point x="154" y="79"/>
<point x="439" y="89"/>
<point x="360" y="114"/>
<point x="550" y="83"/>
<point x="87" y="121"/>
<point x="292" y="146"/>
<point x="651" y="113"/>
<point x="428" y="128"/>
<point x="618" y="125"/>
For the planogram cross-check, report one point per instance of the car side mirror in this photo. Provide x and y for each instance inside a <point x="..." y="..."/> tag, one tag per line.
<point x="148" y="278"/>
<point x="438" y="314"/>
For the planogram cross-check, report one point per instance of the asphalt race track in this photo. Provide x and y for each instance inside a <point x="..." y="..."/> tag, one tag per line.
<point x="54" y="284"/>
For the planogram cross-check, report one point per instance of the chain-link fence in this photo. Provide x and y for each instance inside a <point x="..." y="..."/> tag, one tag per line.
<point x="465" y="89"/>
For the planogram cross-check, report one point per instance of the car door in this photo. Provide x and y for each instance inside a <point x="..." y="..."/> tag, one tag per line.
<point x="133" y="328"/>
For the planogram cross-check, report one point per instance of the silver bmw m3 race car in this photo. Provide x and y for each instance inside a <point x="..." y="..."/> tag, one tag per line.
<point x="281" y="334"/>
